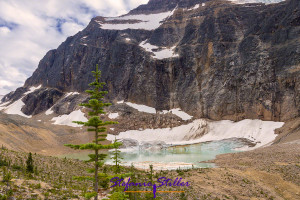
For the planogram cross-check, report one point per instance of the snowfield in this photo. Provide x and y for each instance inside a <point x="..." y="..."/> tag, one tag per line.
<point x="49" y="111"/>
<point x="113" y="115"/>
<point x="146" y="22"/>
<point x="179" y="113"/>
<point x="195" y="7"/>
<point x="32" y="89"/>
<point x="67" y="120"/>
<point x="142" y="108"/>
<point x="159" y="54"/>
<point x="151" y="110"/>
<point x="16" y="107"/>
<point x="153" y="21"/>
<point x="200" y="130"/>
<point x="256" y="1"/>
<point x="71" y="94"/>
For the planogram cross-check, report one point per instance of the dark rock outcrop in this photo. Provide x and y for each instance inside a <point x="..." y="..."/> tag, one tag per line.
<point x="40" y="100"/>
<point x="131" y="119"/>
<point x="235" y="61"/>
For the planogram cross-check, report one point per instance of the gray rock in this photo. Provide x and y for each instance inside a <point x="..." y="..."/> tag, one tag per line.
<point x="129" y="143"/>
<point x="235" y="62"/>
<point x="152" y="146"/>
<point x="40" y="100"/>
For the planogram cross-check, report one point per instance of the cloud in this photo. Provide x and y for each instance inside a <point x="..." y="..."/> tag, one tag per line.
<point x="28" y="29"/>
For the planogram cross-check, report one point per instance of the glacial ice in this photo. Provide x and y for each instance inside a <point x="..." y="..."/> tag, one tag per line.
<point x="259" y="132"/>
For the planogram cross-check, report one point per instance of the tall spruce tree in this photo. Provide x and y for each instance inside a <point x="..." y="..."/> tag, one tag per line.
<point x="96" y="125"/>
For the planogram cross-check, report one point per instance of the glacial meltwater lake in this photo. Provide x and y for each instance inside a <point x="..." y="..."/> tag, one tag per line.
<point x="173" y="157"/>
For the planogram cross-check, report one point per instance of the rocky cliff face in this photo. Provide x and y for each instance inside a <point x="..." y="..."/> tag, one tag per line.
<point x="213" y="59"/>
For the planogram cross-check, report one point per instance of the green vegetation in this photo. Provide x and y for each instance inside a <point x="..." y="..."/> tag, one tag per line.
<point x="96" y="125"/>
<point x="29" y="164"/>
<point x="54" y="181"/>
<point x="116" y="156"/>
<point x="118" y="195"/>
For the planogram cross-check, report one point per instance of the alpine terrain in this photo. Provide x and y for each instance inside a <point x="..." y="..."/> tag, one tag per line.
<point x="178" y="72"/>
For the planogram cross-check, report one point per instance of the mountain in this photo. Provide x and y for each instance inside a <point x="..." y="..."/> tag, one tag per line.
<point x="213" y="59"/>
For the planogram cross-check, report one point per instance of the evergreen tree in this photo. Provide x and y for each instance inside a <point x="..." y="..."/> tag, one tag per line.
<point x="117" y="192"/>
<point x="133" y="196"/>
<point x="116" y="156"/>
<point x="151" y="173"/>
<point x="97" y="126"/>
<point x="29" y="163"/>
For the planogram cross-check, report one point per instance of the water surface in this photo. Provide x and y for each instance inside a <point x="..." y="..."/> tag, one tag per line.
<point x="173" y="157"/>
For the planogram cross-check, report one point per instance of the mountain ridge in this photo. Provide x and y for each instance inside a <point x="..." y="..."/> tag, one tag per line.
<point x="229" y="63"/>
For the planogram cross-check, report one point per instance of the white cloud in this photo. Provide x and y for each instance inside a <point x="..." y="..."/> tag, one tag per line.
<point x="28" y="29"/>
<point x="4" y="31"/>
<point x="69" y="28"/>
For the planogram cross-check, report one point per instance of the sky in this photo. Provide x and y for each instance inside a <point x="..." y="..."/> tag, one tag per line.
<point x="30" y="28"/>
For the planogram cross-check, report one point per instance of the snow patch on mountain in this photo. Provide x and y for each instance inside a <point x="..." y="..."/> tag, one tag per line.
<point x="146" y="22"/>
<point x="67" y="120"/>
<point x="32" y="89"/>
<point x="113" y="115"/>
<point x="71" y="94"/>
<point x="179" y="113"/>
<point x="256" y="1"/>
<point x="195" y="7"/>
<point x="16" y="107"/>
<point x="49" y="111"/>
<point x="259" y="132"/>
<point x="147" y="109"/>
<point x="159" y="53"/>
<point x="142" y="108"/>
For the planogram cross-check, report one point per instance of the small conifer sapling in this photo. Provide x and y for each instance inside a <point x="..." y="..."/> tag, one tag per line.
<point x="29" y="164"/>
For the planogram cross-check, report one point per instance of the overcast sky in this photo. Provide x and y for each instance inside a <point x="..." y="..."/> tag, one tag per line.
<point x="30" y="28"/>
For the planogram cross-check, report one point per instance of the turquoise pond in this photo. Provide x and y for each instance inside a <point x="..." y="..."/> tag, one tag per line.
<point x="186" y="156"/>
